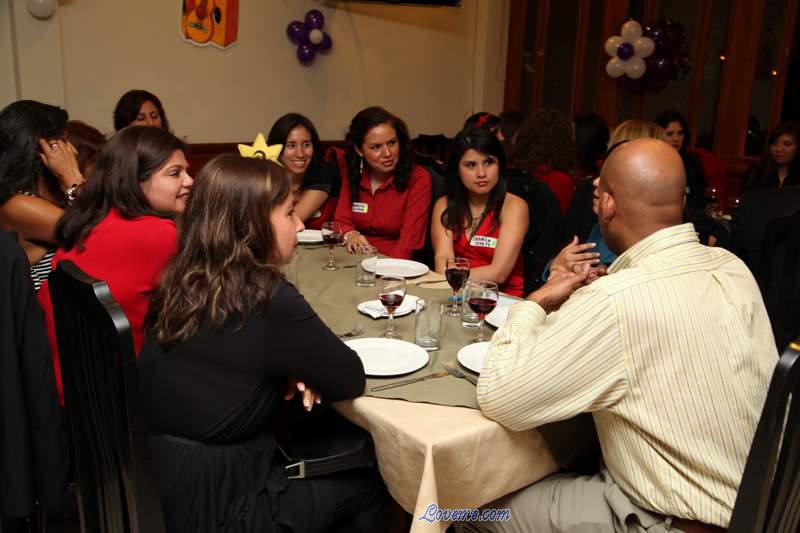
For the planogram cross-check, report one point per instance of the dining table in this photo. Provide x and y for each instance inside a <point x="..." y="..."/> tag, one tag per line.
<point x="435" y="449"/>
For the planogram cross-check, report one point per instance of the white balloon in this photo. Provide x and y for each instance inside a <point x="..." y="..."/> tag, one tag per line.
<point x="631" y="31"/>
<point x="615" y="68"/>
<point x="635" y="67"/>
<point x="612" y="44"/>
<point x="643" y="47"/>
<point x="315" y="36"/>
<point x="41" y="9"/>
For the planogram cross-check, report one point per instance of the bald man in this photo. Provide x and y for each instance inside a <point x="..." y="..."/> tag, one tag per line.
<point x="671" y="352"/>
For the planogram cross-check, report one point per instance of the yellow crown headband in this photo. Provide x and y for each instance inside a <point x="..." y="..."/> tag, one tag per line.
<point x="261" y="150"/>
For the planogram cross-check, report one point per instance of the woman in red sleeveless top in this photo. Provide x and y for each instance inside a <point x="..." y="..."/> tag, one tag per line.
<point x="477" y="219"/>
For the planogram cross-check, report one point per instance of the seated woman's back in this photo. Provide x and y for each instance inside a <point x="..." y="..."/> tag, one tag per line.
<point x="227" y="337"/>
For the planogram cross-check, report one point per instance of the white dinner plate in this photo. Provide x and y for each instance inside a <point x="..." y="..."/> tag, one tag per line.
<point x="472" y="356"/>
<point x="309" y="236"/>
<point x="402" y="268"/>
<point x="388" y="357"/>
<point x="375" y="308"/>
<point x="499" y="314"/>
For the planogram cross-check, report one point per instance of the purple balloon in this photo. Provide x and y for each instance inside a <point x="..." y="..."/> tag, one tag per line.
<point x="625" y="51"/>
<point x="659" y="67"/>
<point x="326" y="43"/>
<point x="297" y="32"/>
<point x="306" y="53"/>
<point x="314" y="20"/>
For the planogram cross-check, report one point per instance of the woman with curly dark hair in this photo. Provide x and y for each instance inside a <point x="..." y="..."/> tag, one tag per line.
<point x="545" y="149"/>
<point x="39" y="177"/>
<point x="140" y="108"/>
<point x="386" y="199"/>
<point x="780" y="166"/>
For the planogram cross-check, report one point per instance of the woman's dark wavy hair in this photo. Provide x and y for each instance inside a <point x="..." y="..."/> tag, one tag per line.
<point x="88" y="141"/>
<point x="364" y="121"/>
<point x="129" y="105"/>
<point x="591" y="141"/>
<point x="457" y="215"/>
<point x="545" y="138"/>
<point x="22" y="124"/>
<point x="129" y="159"/>
<point x="483" y="120"/>
<point x="224" y="268"/>
<point x="284" y="125"/>
<point x="665" y="118"/>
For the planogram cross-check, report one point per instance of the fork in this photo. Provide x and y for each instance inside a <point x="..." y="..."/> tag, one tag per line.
<point x="355" y="332"/>
<point x="453" y="370"/>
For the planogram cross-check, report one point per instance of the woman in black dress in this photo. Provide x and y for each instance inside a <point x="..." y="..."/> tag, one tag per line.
<point x="678" y="136"/>
<point x="229" y="341"/>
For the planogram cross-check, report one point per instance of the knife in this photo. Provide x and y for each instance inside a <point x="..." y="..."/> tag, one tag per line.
<point x="409" y="381"/>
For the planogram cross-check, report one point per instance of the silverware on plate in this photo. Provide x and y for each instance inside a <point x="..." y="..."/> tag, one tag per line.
<point x="409" y="381"/>
<point x="453" y="370"/>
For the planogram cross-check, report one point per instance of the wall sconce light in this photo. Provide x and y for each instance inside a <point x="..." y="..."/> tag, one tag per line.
<point x="774" y="73"/>
<point x="41" y="9"/>
<point x="722" y="57"/>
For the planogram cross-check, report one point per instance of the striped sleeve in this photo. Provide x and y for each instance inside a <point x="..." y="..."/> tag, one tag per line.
<point x="544" y="368"/>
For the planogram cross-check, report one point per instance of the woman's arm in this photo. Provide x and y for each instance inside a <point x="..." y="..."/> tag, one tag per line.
<point x="441" y="237"/>
<point x="310" y="201"/>
<point x="305" y="349"/>
<point x="415" y="214"/>
<point x="513" y="226"/>
<point x="32" y="218"/>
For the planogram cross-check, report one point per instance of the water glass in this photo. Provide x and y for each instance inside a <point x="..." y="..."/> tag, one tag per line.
<point x="428" y="323"/>
<point x="469" y="318"/>
<point x="366" y="265"/>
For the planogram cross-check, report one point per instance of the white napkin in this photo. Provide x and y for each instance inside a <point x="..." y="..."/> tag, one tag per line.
<point x="375" y="309"/>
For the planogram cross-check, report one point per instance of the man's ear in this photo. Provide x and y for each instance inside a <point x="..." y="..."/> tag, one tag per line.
<point x="608" y="207"/>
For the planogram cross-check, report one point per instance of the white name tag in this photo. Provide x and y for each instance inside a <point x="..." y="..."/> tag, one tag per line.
<point x="359" y="207"/>
<point x="479" y="241"/>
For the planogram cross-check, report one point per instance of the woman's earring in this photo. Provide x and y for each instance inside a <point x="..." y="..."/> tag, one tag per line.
<point x="361" y="165"/>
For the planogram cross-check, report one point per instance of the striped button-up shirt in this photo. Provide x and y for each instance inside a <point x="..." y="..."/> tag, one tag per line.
<point x="672" y="352"/>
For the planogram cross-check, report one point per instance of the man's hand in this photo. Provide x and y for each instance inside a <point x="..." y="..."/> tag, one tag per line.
<point x="574" y="254"/>
<point x="310" y="396"/>
<point x="559" y="287"/>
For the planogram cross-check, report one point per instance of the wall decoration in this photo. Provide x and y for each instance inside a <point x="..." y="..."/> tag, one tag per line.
<point x="628" y="51"/>
<point x="210" y="22"/>
<point x="662" y="52"/>
<point x="309" y="37"/>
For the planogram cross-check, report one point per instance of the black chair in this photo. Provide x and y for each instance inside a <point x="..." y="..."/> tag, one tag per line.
<point x="778" y="276"/>
<point x="116" y="482"/>
<point x="436" y="146"/>
<point x="769" y="494"/>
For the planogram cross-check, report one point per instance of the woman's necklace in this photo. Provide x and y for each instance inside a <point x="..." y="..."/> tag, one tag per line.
<point x="476" y="220"/>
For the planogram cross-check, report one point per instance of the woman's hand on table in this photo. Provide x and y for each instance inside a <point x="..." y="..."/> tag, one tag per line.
<point x="354" y="241"/>
<point x="574" y="254"/>
<point x="310" y="396"/>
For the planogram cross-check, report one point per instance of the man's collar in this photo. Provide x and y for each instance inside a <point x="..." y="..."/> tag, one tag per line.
<point x="655" y="243"/>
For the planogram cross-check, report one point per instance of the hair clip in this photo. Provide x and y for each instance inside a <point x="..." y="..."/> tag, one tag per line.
<point x="261" y="150"/>
<point x="483" y="119"/>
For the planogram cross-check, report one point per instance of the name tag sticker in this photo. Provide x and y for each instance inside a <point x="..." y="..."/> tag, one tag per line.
<point x="479" y="241"/>
<point x="359" y="207"/>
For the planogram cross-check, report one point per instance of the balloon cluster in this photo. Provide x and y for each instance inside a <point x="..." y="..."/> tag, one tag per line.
<point x="650" y="57"/>
<point x="628" y="52"/>
<point x="309" y="37"/>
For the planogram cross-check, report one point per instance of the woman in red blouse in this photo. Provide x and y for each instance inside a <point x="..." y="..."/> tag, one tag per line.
<point x="121" y="228"/>
<point x="386" y="199"/>
<point x="478" y="219"/>
<point x="544" y="148"/>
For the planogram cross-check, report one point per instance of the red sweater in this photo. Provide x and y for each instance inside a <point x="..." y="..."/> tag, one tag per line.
<point x="561" y="183"/>
<point x="393" y="221"/>
<point x="129" y="255"/>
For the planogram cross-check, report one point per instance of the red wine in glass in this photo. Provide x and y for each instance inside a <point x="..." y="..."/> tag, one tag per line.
<point x="457" y="272"/>
<point x="392" y="301"/>
<point x="332" y="236"/>
<point x="482" y="306"/>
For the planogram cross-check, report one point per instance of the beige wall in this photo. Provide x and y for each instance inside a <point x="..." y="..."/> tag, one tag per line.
<point x="431" y="66"/>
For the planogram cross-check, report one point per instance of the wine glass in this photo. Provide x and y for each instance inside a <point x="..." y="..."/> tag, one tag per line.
<point x="712" y="200"/>
<point x="332" y="237"/>
<point x="457" y="272"/>
<point x="391" y="293"/>
<point x="481" y="296"/>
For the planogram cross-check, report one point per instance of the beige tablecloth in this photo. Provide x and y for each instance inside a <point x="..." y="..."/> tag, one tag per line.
<point x="452" y="457"/>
